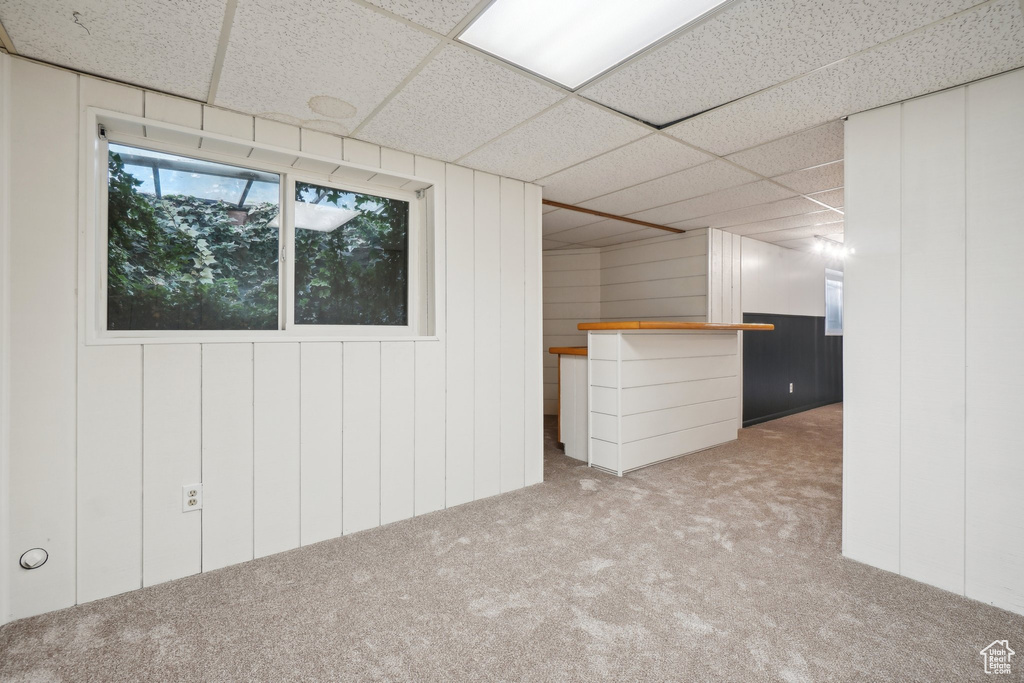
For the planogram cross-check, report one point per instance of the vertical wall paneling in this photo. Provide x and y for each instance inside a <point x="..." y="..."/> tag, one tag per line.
<point x="781" y="281"/>
<point x="727" y="240"/>
<point x="5" y="339"/>
<point x="291" y="447"/>
<point x="572" y="294"/>
<point x="737" y="280"/>
<point x="94" y="92"/>
<point x="487" y="335"/>
<point x="177" y="111"/>
<point x="278" y="134"/>
<point x="512" y="301"/>
<point x="359" y="152"/>
<point x="109" y="470"/>
<point x="715" y="277"/>
<point x="321" y="429"/>
<point x="533" y="328"/>
<point x="361" y="437"/>
<point x="737" y="310"/>
<point x="460" y="365"/>
<point x="939" y="225"/>
<point x="43" y="308"/>
<point x="871" y="435"/>
<point x="215" y="120"/>
<point x="932" y="365"/>
<point x="171" y="458"/>
<point x="796" y="354"/>
<point x="397" y="430"/>
<point x="276" y="447"/>
<point x="227" y="454"/>
<point x="430" y="360"/>
<point x="994" y="567"/>
<point x="321" y="144"/>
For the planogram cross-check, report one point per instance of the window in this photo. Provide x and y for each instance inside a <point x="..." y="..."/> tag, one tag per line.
<point x="197" y="245"/>
<point x="351" y="258"/>
<point x="191" y="244"/>
<point x="833" y="302"/>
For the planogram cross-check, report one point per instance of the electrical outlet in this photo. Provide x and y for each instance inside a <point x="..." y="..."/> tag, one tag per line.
<point x="191" y="497"/>
<point x="791" y="387"/>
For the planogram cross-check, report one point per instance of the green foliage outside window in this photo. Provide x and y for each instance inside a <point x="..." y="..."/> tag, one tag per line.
<point x="356" y="274"/>
<point x="184" y="263"/>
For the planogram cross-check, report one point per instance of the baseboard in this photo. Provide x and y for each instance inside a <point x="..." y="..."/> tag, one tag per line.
<point x="786" y="413"/>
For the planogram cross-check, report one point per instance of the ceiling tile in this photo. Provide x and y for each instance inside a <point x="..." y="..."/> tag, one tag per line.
<point x="752" y="214"/>
<point x="279" y="57"/>
<point x="693" y="182"/>
<point x="833" y="198"/>
<point x="642" y="234"/>
<point x="806" y="244"/>
<point x="797" y="233"/>
<point x="648" y="158"/>
<point x="437" y="15"/>
<point x="596" y="231"/>
<point x="753" y="45"/>
<point x="803" y="220"/>
<point x="716" y="202"/>
<point x="456" y="103"/>
<point x="812" y="147"/>
<point x="564" y="135"/>
<point x="123" y="41"/>
<point x="817" y="179"/>
<point x="563" y="219"/>
<point x="979" y="43"/>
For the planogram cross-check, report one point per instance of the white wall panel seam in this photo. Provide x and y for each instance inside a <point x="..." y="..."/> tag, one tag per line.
<point x="5" y="79"/>
<point x="899" y="402"/>
<point x="252" y="409"/>
<point x="967" y="232"/>
<point x="78" y="360"/>
<point x="472" y="179"/>
<point x="202" y="452"/>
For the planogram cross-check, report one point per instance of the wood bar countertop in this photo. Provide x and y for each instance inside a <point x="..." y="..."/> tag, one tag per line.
<point x="670" y="325"/>
<point x="568" y="350"/>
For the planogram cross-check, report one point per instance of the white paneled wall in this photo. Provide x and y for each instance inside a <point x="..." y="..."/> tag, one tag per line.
<point x="294" y="442"/>
<point x="572" y="294"/>
<point x="663" y="278"/>
<point x="783" y="281"/>
<point x="933" y="475"/>
<point x="725" y="277"/>
<point x="5" y="338"/>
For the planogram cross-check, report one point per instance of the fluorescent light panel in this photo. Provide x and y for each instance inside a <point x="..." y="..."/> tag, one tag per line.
<point x="572" y="41"/>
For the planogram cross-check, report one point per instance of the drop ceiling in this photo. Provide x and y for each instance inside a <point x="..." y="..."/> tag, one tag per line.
<point x="732" y="123"/>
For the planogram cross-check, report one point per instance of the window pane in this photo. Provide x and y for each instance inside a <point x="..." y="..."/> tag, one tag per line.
<point x="191" y="244"/>
<point x="833" y="303"/>
<point x="351" y="258"/>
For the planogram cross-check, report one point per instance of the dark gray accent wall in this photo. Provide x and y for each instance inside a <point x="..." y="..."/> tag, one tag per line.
<point x="796" y="352"/>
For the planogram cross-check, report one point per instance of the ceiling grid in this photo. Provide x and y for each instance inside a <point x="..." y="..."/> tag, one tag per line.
<point x="745" y="102"/>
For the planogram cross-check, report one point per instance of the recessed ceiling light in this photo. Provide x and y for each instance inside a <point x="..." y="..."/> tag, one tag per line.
<point x="572" y="41"/>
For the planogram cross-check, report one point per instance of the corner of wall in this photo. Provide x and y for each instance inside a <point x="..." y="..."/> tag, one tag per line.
<point x="5" y="516"/>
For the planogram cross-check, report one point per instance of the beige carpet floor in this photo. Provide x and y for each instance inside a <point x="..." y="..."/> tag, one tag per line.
<point x="724" y="565"/>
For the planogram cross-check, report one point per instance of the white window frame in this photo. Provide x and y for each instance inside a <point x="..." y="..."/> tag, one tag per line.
<point x="138" y="132"/>
<point x="412" y="249"/>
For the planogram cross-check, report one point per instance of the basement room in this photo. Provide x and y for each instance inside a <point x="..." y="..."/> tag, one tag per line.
<point x="509" y="340"/>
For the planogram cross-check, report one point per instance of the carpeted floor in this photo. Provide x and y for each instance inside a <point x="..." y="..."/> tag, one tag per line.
<point x="724" y="565"/>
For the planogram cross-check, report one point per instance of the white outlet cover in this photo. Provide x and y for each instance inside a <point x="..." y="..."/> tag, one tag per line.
<point x="191" y="497"/>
